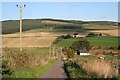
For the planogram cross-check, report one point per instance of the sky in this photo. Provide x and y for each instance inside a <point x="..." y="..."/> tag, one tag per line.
<point x="86" y="11"/>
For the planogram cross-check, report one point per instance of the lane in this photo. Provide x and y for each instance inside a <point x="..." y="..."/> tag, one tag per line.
<point x="57" y="71"/>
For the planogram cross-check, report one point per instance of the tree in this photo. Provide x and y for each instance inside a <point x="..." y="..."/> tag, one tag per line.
<point x="67" y="36"/>
<point x="81" y="44"/>
<point x="91" y="35"/>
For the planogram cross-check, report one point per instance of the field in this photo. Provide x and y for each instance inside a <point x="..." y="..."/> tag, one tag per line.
<point x="55" y="30"/>
<point x="99" y="27"/>
<point x="42" y="39"/>
<point x="94" y="41"/>
<point x="34" y="38"/>
<point x="11" y="26"/>
<point x="108" y="32"/>
<point x="42" y="32"/>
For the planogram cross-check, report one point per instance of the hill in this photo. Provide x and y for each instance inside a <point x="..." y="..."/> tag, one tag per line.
<point x="12" y="26"/>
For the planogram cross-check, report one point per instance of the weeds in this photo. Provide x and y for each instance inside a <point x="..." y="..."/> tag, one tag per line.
<point x="16" y="63"/>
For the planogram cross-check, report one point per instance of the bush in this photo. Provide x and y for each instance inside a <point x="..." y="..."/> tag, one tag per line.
<point x="81" y="44"/>
<point x="69" y="52"/>
<point x="67" y="36"/>
<point x="6" y="70"/>
<point x="91" y="35"/>
<point x="58" y="39"/>
<point x="100" y="34"/>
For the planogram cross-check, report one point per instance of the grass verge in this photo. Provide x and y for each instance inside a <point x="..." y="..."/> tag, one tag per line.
<point x="30" y="63"/>
<point x="32" y="73"/>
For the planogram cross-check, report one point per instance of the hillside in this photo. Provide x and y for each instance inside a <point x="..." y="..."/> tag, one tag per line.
<point x="12" y="26"/>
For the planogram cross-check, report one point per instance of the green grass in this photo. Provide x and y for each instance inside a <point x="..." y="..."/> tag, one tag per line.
<point x="31" y="51"/>
<point x="67" y="42"/>
<point x="44" y="51"/>
<point x="103" y="41"/>
<point x="94" y="41"/>
<point x="54" y="30"/>
<point x="109" y="57"/>
<point x="91" y="57"/>
<point x="86" y="58"/>
<point x="99" y="27"/>
<point x="32" y="73"/>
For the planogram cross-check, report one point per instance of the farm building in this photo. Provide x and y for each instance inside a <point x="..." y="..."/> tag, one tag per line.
<point x="82" y="52"/>
<point x="78" y="36"/>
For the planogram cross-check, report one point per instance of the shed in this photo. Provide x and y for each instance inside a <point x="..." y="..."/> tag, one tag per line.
<point x="82" y="52"/>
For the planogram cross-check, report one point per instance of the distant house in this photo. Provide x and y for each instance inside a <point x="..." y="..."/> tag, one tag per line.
<point x="78" y="36"/>
<point x="82" y="52"/>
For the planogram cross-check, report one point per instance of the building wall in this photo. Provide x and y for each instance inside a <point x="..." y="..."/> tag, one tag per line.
<point x="84" y="54"/>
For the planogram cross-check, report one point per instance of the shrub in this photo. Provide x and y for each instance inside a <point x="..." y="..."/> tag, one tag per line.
<point x="69" y="52"/>
<point x="58" y="39"/>
<point x="91" y="35"/>
<point x="6" y="69"/>
<point x="81" y="44"/>
<point x="67" y="36"/>
<point x="100" y="34"/>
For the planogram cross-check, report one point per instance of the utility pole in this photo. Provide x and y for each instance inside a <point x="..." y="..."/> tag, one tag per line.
<point x="21" y="7"/>
<point x="53" y="51"/>
<point x="60" y="53"/>
<point x="50" y="51"/>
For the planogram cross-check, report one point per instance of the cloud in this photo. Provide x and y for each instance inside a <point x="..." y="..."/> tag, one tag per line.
<point x="73" y="5"/>
<point x="69" y="4"/>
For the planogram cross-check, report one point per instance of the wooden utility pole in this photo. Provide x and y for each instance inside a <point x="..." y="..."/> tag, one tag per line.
<point x="53" y="51"/>
<point x="20" y="7"/>
<point x="20" y="28"/>
<point x="50" y="51"/>
<point x="60" y="53"/>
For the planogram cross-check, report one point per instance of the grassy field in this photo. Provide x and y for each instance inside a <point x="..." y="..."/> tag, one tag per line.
<point x="43" y="51"/>
<point x="55" y="30"/>
<point x="103" y="41"/>
<point x="98" y="27"/>
<point x="94" y="41"/>
<point x="11" y="26"/>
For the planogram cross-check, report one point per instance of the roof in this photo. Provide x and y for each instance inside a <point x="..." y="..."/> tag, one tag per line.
<point x="81" y="51"/>
<point x="84" y="50"/>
